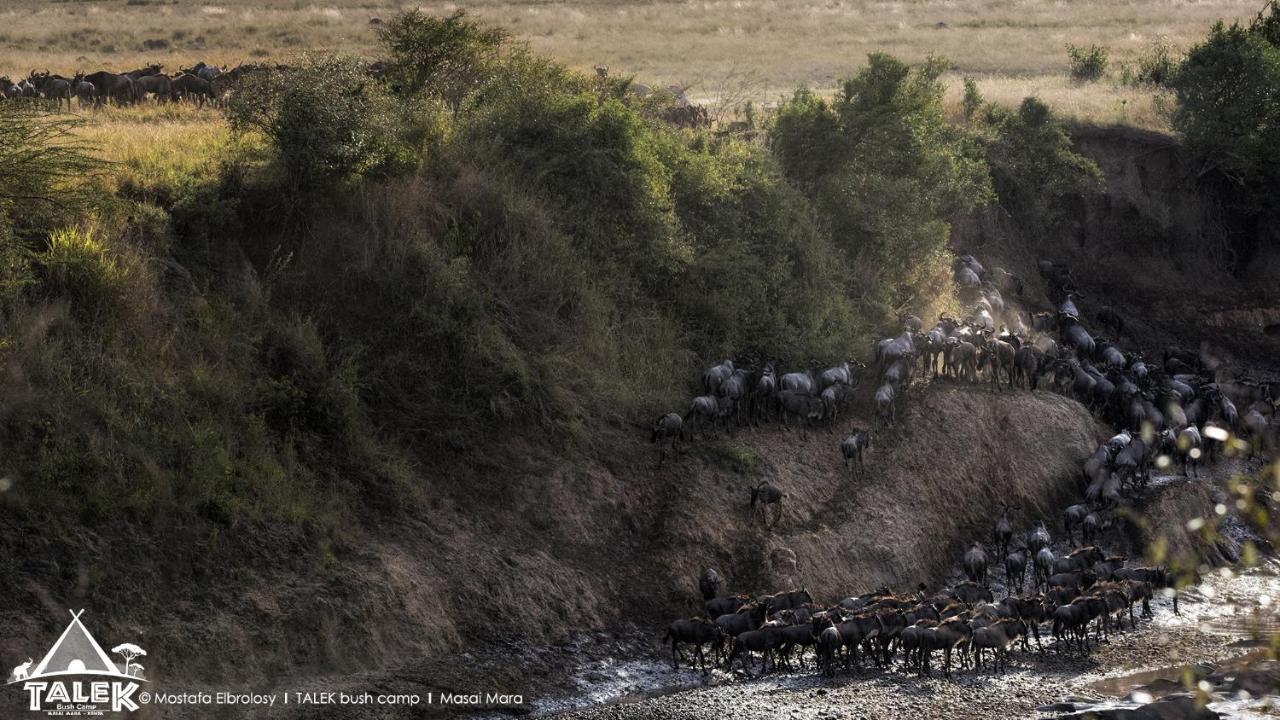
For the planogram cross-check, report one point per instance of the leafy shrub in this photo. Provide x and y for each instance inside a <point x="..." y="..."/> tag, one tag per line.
<point x="1157" y="65"/>
<point x="328" y="123"/>
<point x="972" y="101"/>
<point x="1033" y="163"/>
<point x="446" y="57"/>
<point x="1087" y="64"/>
<point x="77" y="265"/>
<point x="1228" y="109"/>
<point x="886" y="171"/>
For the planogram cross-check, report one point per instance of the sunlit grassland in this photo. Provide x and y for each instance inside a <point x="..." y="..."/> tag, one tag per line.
<point x="722" y="50"/>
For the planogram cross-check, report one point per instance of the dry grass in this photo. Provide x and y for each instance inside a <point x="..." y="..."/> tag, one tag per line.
<point x="722" y="49"/>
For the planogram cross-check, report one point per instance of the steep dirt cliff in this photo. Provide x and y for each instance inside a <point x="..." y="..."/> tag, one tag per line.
<point x="1159" y="245"/>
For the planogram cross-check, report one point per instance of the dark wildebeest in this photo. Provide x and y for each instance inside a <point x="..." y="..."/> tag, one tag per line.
<point x="1090" y="527"/>
<point x="668" y="430"/>
<point x="726" y="605"/>
<point x="715" y="376"/>
<point x="828" y="648"/>
<point x="709" y="584"/>
<point x="1003" y="532"/>
<point x="1044" y="560"/>
<point x="802" y="383"/>
<point x="807" y="409"/>
<point x="969" y="592"/>
<point x="1026" y="366"/>
<point x="762" y="395"/>
<point x="1072" y="517"/>
<point x="149" y="80"/>
<point x="1190" y="447"/>
<point x="845" y="373"/>
<point x="1038" y="539"/>
<point x="975" y="564"/>
<point x="997" y="637"/>
<point x="53" y="87"/>
<point x="764" y="640"/>
<point x="853" y="447"/>
<point x="1015" y="570"/>
<point x="84" y="90"/>
<point x="765" y="495"/>
<point x="746" y="618"/>
<point x="1079" y="560"/>
<point x="834" y="399"/>
<point x="696" y="632"/>
<point x="190" y="86"/>
<point x="946" y="637"/>
<point x="118" y="88"/>
<point x="704" y="409"/>
<point x="886" y="413"/>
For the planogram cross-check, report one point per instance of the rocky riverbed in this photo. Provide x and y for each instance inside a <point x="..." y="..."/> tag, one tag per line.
<point x="1221" y="625"/>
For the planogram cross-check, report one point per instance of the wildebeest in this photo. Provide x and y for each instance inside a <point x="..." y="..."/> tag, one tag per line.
<point x="185" y="87"/>
<point x="853" y="447"/>
<point x="845" y="373"/>
<point x="709" y="584"/>
<point x="997" y="637"/>
<point x="53" y="87"/>
<point x="807" y="409"/>
<point x="1044" y="560"/>
<point x="1015" y="570"/>
<point x="726" y="605"/>
<point x="84" y="90"/>
<point x="668" y="431"/>
<point x="764" y="640"/>
<point x="764" y="496"/>
<point x="715" y="375"/>
<point x="975" y="564"/>
<point x="1038" y="539"/>
<point x="1003" y="531"/>
<point x="886" y="413"/>
<point x="706" y="409"/>
<point x="746" y="618"/>
<point x="1073" y="517"/>
<point x="110" y="86"/>
<point x="1079" y="560"/>
<point x="1190" y="447"/>
<point x="696" y="632"/>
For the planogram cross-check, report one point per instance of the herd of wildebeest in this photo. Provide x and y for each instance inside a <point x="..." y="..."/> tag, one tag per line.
<point x="1173" y="408"/>
<point x="199" y="83"/>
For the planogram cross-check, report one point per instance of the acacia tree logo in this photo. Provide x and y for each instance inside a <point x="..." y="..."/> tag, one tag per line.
<point x="129" y="652"/>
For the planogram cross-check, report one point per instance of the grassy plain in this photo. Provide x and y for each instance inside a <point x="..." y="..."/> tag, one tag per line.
<point x="724" y="51"/>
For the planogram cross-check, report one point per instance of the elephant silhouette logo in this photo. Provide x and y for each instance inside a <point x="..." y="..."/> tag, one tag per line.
<point x="21" y="671"/>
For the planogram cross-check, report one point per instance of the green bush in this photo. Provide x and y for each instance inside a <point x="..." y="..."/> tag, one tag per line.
<point x="1087" y="64"/>
<point x="972" y="101"/>
<point x="886" y="171"/>
<point x="1157" y="65"/>
<point x="327" y="120"/>
<point x="448" y="57"/>
<point x="77" y="265"/>
<point x="1228" y="111"/>
<point x="1033" y="163"/>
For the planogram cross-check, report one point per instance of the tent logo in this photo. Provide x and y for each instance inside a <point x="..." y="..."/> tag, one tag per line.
<point x="78" y="678"/>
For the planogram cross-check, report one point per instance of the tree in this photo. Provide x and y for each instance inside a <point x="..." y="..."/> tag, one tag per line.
<point x="447" y="57"/>
<point x="1228" y="109"/>
<point x="129" y="652"/>
<point x="327" y="120"/>
<point x="43" y="168"/>
<point x="886" y="170"/>
<point x="1033" y="163"/>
